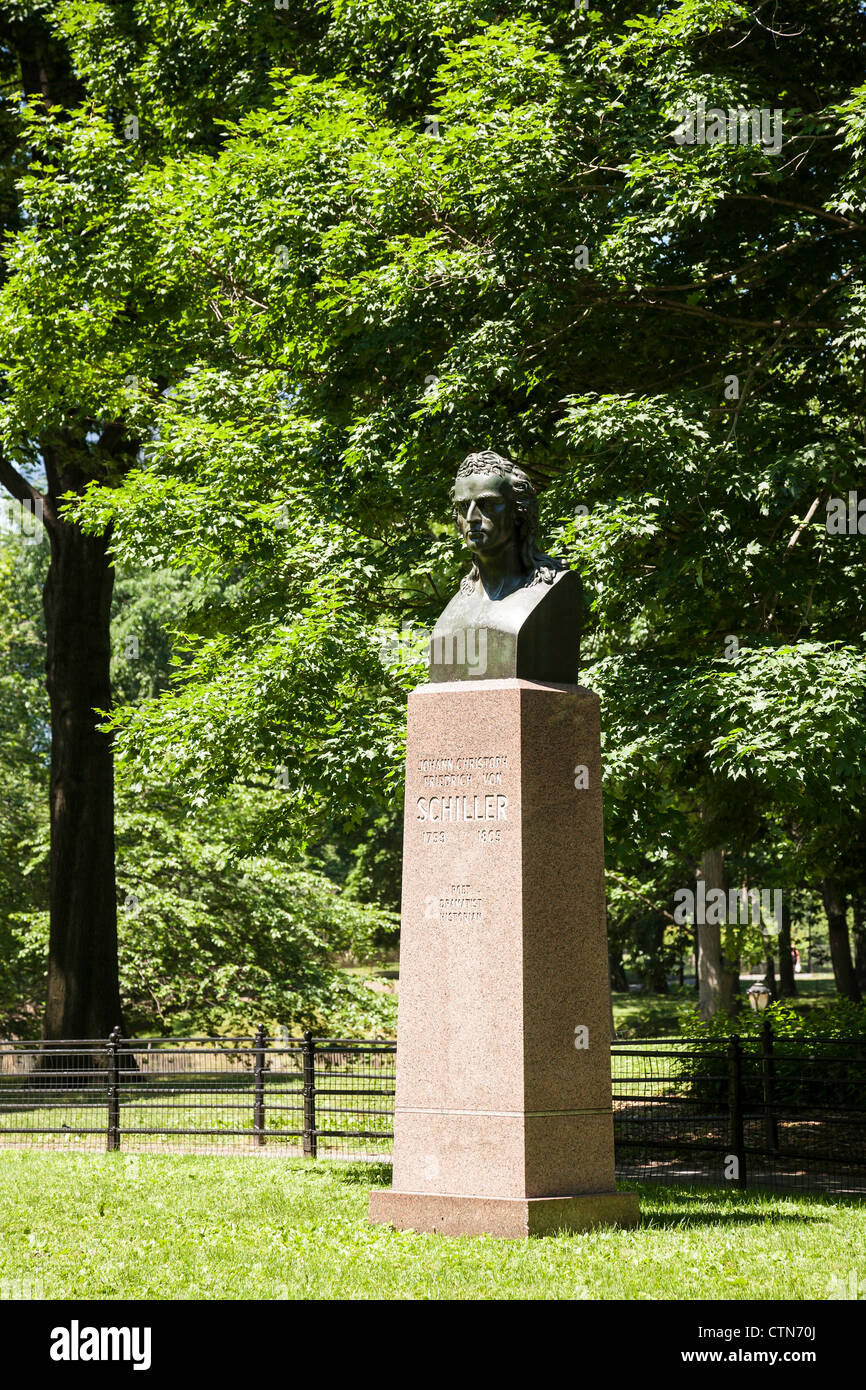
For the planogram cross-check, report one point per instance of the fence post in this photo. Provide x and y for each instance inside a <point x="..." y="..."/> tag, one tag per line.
<point x="114" y="1091"/>
<point x="310" y="1140"/>
<point x="259" y="1102"/>
<point x="736" y="1135"/>
<point x="768" y="1070"/>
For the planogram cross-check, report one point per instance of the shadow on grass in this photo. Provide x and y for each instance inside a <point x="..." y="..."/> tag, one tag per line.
<point x="713" y="1192"/>
<point x="692" y="1206"/>
<point x="366" y="1174"/>
<point x="717" y="1217"/>
<point x="714" y="1206"/>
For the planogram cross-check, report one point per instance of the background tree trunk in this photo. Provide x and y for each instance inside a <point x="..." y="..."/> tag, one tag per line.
<point x="655" y="976"/>
<point x="618" y="979"/>
<point x="787" y="979"/>
<point x="83" y="993"/>
<point x="859" y="942"/>
<point x="835" y="905"/>
<point x="715" y="979"/>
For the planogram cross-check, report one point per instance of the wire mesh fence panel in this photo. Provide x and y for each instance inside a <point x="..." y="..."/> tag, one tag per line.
<point x="56" y="1095"/>
<point x="283" y="1098"/>
<point x="665" y="1127"/>
<point x="749" y="1111"/>
<point x="190" y="1094"/>
<point x="805" y="1109"/>
<point x="354" y="1098"/>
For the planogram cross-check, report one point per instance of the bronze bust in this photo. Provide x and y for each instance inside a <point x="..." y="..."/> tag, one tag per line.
<point x="517" y="612"/>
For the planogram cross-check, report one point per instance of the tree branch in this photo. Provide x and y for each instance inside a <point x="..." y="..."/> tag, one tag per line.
<point x="694" y="311"/>
<point x="636" y="893"/>
<point x="16" y="484"/>
<point x="799" y="207"/>
<point x="746" y="265"/>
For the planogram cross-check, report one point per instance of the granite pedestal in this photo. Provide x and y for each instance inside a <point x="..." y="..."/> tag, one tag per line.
<point x="503" y="1119"/>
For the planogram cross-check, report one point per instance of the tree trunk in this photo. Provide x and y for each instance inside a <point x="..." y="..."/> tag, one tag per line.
<point x="836" y="905"/>
<point x="655" y="975"/>
<point x="715" y="980"/>
<point x="787" y="980"/>
<point x="859" y="943"/>
<point x="731" y="983"/>
<point x="83" y="998"/>
<point x="83" y="992"/>
<point x="618" y="979"/>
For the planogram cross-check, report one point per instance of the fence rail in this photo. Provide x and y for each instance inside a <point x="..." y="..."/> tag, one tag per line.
<point x="322" y="1096"/>
<point x="751" y="1110"/>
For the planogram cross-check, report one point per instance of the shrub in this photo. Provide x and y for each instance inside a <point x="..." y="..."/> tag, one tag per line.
<point x="818" y="1059"/>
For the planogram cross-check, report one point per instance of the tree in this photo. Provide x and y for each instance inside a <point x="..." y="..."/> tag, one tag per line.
<point x="396" y="291"/>
<point x="836" y="907"/>
<point x="24" y="757"/>
<point x="439" y="227"/>
<point x="89" y="333"/>
<point x="212" y="936"/>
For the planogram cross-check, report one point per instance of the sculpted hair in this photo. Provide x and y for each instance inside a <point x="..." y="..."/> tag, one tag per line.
<point x="540" y="567"/>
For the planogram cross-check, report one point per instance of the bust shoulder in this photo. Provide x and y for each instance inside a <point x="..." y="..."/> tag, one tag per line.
<point x="533" y="633"/>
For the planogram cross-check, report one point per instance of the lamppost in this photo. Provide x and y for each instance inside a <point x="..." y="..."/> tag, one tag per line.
<point x="759" y="997"/>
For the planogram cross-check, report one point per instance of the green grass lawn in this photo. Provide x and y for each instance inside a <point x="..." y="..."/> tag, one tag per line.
<point x="658" y="1015"/>
<point x="158" y="1226"/>
<point x="650" y="1015"/>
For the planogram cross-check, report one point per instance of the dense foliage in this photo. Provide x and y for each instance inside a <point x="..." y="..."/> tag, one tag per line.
<point x="334" y="251"/>
<point x="214" y="935"/>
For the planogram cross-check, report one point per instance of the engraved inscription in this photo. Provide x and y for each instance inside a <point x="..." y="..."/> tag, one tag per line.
<point x="463" y="772"/>
<point x="458" y="905"/>
<point x="487" y="763"/>
<point x="492" y="806"/>
<point x="461" y="789"/>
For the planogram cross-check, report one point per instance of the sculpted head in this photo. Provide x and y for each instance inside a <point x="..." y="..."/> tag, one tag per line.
<point x="495" y="510"/>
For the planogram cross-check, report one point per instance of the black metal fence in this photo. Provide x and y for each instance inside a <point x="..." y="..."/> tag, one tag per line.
<point x="750" y="1110"/>
<point x="745" y="1111"/>
<point x="321" y="1097"/>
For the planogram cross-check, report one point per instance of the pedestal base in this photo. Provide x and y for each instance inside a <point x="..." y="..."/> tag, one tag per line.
<point x="510" y="1217"/>
<point x="503" y="1119"/>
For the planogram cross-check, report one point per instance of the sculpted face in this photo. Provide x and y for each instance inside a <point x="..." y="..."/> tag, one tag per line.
<point x="485" y="513"/>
